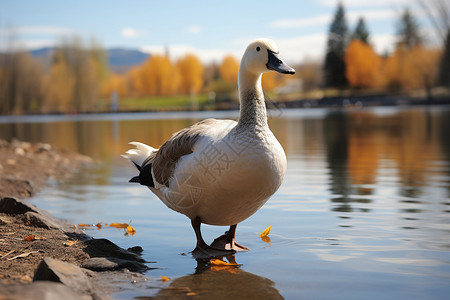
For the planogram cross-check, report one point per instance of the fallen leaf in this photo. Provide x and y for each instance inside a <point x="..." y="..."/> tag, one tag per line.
<point x="23" y="255"/>
<point x="191" y="294"/>
<point x="84" y="225"/>
<point x="265" y="232"/>
<point x="118" y="225"/>
<point x="30" y="238"/>
<point x="70" y="243"/>
<point x="164" y="278"/>
<point x="74" y="226"/>
<point x="219" y="262"/>
<point x="131" y="230"/>
<point x="99" y="225"/>
<point x="266" y="239"/>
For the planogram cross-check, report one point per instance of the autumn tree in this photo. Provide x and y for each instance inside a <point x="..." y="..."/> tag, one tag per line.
<point x="191" y="74"/>
<point x="229" y="69"/>
<point x="159" y="77"/>
<point x="362" y="64"/>
<point x="334" y="65"/>
<point x="311" y="74"/>
<point x="21" y="83"/>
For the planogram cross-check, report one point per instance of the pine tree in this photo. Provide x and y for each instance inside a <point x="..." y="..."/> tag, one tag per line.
<point x="337" y="42"/>
<point x="361" y="32"/>
<point x="408" y="31"/>
<point x="444" y="72"/>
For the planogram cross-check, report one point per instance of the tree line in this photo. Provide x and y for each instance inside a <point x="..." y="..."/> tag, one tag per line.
<point x="351" y="62"/>
<point x="78" y="76"/>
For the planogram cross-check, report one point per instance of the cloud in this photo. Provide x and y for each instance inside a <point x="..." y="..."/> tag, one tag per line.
<point x="365" y="3"/>
<point x="131" y="33"/>
<point x="179" y="50"/>
<point x="36" y="30"/>
<point x="325" y="19"/>
<point x="194" y="29"/>
<point x="304" y="22"/>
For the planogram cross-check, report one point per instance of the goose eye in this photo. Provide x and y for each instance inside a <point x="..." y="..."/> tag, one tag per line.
<point x="257" y="48"/>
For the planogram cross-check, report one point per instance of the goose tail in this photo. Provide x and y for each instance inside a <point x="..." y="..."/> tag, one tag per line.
<point x="142" y="157"/>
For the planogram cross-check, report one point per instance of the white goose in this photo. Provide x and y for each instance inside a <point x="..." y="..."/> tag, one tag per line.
<point x="220" y="172"/>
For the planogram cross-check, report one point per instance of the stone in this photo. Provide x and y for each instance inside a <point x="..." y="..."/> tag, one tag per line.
<point x="100" y="264"/>
<point x="39" y="290"/>
<point x="38" y="220"/>
<point x="12" y="206"/>
<point x="106" y="248"/>
<point x="70" y="275"/>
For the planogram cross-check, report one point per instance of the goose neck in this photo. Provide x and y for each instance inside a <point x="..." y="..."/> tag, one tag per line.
<point x="253" y="113"/>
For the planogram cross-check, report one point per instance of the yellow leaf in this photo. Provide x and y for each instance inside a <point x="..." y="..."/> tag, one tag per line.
<point x="70" y="243"/>
<point x="164" y="278"/>
<point x="219" y="262"/>
<point x="265" y="232"/>
<point x="83" y="225"/>
<point x="119" y="225"/>
<point x="99" y="225"/>
<point x="131" y="230"/>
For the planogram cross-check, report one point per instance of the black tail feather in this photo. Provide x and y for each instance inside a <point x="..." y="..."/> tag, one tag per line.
<point x="145" y="176"/>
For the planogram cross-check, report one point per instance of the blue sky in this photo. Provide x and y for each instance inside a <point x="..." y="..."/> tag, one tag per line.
<point x="209" y="29"/>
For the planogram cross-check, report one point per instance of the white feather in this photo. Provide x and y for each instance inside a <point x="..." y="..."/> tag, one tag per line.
<point x="140" y="154"/>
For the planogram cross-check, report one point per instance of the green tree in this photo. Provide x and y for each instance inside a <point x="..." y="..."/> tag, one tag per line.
<point x="338" y="36"/>
<point x="408" y="31"/>
<point x="361" y="32"/>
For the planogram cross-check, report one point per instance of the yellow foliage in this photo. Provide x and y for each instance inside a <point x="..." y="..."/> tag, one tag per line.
<point x="265" y="232"/>
<point x="191" y="72"/>
<point x="229" y="69"/>
<point x="362" y="65"/>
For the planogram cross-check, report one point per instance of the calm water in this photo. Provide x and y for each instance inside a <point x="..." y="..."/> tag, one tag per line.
<point x="363" y="213"/>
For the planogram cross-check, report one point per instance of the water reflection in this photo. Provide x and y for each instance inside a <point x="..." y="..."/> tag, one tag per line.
<point x="219" y="282"/>
<point x="374" y="182"/>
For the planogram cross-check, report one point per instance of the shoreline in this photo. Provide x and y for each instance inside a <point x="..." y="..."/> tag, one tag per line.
<point x="42" y="256"/>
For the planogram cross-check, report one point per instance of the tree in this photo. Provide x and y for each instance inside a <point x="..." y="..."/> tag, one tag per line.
<point x="334" y="66"/>
<point x="408" y="31"/>
<point x="362" y="64"/>
<point x="438" y="12"/>
<point x="361" y="32"/>
<point x="191" y="72"/>
<point x="229" y="69"/>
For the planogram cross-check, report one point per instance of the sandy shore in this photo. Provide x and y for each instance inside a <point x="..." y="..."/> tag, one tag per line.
<point x="36" y="249"/>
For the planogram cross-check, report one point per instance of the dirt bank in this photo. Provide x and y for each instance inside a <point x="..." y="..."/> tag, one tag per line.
<point x="32" y="239"/>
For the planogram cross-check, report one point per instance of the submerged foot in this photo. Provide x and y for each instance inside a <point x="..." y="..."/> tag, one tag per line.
<point x="228" y="243"/>
<point x="205" y="251"/>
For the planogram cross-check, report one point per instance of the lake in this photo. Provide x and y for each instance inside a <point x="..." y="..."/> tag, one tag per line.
<point x="363" y="213"/>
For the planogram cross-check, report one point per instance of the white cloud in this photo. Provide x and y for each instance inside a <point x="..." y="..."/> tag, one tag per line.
<point x="36" y="30"/>
<point x="325" y="19"/>
<point x="365" y="3"/>
<point x="176" y="51"/>
<point x="304" y="22"/>
<point x="296" y="49"/>
<point x="129" y="32"/>
<point x="383" y="43"/>
<point x="194" y="29"/>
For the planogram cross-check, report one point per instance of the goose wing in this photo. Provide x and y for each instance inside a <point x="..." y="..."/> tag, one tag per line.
<point x="180" y="144"/>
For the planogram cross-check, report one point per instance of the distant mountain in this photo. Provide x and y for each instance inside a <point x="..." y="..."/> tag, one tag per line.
<point x="120" y="60"/>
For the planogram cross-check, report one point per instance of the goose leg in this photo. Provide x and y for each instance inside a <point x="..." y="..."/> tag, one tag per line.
<point x="228" y="241"/>
<point x="202" y="250"/>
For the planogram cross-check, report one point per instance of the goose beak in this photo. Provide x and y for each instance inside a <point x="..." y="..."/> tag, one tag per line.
<point x="276" y="64"/>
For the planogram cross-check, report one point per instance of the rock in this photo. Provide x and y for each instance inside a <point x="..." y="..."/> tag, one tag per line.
<point x="38" y="220"/>
<point x="136" y="249"/>
<point x="101" y="264"/>
<point x="106" y="248"/>
<point x="70" y="275"/>
<point x="38" y="290"/>
<point x="12" y="206"/>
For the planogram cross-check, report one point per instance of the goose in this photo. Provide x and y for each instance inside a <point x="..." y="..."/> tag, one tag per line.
<point x="220" y="172"/>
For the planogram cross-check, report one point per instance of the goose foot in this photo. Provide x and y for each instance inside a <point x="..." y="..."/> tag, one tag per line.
<point x="227" y="241"/>
<point x="202" y="250"/>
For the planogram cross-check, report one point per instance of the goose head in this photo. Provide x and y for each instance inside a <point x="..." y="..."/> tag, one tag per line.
<point x="261" y="56"/>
